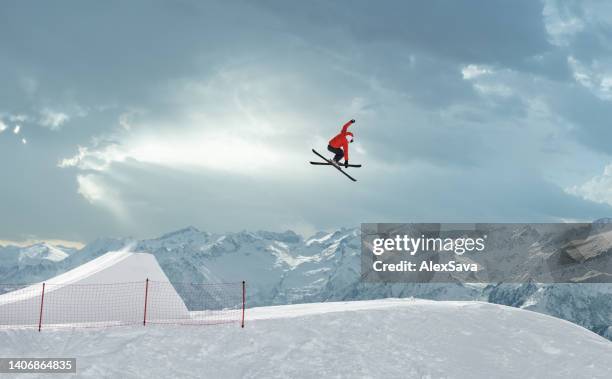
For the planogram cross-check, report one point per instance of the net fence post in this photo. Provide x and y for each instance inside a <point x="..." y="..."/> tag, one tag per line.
<point x="144" y="320"/>
<point x="42" y="301"/>
<point x="243" y="302"/>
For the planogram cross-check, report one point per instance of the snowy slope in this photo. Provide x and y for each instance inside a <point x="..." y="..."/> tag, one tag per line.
<point x="284" y="268"/>
<point x="379" y="339"/>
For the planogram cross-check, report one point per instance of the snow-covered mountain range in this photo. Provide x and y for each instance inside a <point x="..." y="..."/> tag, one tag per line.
<point x="285" y="268"/>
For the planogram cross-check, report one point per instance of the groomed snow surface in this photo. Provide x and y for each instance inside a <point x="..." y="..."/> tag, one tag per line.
<point x="388" y="338"/>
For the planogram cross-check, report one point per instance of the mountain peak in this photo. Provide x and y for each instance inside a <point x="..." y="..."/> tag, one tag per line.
<point x="603" y="220"/>
<point x="43" y="251"/>
<point x="183" y="231"/>
<point x="288" y="236"/>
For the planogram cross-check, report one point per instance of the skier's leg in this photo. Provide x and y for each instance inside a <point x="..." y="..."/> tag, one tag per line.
<point x="339" y="155"/>
<point x="336" y="150"/>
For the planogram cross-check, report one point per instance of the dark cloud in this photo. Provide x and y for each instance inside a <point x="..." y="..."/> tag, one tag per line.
<point x="493" y="32"/>
<point x="589" y="114"/>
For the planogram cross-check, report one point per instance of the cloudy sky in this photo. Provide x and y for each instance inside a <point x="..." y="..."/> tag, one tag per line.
<point x="136" y="118"/>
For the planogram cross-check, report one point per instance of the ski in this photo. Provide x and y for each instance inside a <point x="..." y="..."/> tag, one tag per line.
<point x="331" y="164"/>
<point x="328" y="164"/>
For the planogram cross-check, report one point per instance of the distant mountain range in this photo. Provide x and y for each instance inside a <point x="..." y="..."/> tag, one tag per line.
<point x="285" y="268"/>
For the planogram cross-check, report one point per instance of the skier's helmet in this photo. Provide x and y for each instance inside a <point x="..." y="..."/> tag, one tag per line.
<point x="349" y="137"/>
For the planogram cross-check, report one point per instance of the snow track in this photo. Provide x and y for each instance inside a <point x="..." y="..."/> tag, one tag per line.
<point x="388" y="338"/>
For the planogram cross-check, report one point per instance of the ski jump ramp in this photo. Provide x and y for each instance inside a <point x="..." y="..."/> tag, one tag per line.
<point x="110" y="289"/>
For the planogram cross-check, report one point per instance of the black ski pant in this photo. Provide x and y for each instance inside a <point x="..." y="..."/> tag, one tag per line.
<point x="336" y="150"/>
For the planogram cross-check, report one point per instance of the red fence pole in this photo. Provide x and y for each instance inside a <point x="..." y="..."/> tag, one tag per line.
<point x="42" y="301"/>
<point x="243" y="301"/>
<point x="144" y="320"/>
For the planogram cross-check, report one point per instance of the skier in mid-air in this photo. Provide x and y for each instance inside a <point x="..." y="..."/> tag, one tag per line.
<point x="339" y="144"/>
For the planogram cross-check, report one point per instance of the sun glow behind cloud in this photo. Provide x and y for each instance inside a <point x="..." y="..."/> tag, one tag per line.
<point x="235" y="121"/>
<point x="197" y="153"/>
<point x="96" y="191"/>
<point x="218" y="127"/>
<point x="195" y="150"/>
<point x="218" y="151"/>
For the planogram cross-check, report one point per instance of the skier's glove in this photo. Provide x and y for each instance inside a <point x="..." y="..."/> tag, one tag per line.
<point x="352" y="121"/>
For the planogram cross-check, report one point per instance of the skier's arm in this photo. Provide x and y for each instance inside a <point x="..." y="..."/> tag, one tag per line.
<point x="346" y="126"/>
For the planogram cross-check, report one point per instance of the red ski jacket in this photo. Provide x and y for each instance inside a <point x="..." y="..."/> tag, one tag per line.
<point x="339" y="141"/>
